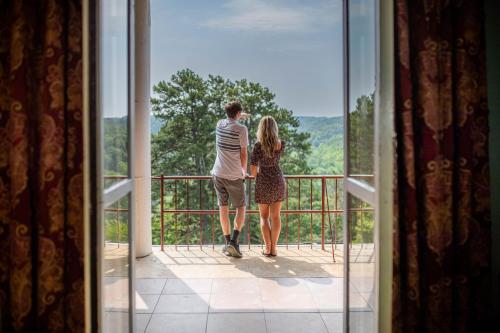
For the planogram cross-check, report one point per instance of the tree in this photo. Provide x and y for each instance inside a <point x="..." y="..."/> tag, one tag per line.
<point x="361" y="136"/>
<point x="190" y="107"/>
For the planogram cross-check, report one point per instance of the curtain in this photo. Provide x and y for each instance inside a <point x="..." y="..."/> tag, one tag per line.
<point x="41" y="153"/>
<point x="442" y="214"/>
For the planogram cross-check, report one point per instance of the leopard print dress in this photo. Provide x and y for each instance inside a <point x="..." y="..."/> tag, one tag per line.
<point x="270" y="182"/>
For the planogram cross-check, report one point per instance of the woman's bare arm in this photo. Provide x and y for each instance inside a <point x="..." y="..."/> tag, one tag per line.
<point x="253" y="170"/>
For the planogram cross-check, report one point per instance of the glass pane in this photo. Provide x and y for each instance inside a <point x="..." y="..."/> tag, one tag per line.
<point x="361" y="266"/>
<point x="113" y="88"/>
<point x="116" y="277"/>
<point x="361" y="88"/>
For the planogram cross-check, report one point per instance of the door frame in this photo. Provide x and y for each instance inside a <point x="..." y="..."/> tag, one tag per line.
<point x="380" y="196"/>
<point x="97" y="196"/>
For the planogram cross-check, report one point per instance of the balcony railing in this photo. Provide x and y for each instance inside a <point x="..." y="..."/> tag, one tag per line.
<point x="183" y="203"/>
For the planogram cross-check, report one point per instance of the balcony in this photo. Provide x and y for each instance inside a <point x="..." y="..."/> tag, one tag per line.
<point x="187" y="284"/>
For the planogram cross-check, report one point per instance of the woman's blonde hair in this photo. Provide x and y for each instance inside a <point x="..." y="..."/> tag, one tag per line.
<point x="267" y="135"/>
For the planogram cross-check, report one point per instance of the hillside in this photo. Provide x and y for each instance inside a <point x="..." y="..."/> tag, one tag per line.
<point x="327" y="140"/>
<point x="323" y="129"/>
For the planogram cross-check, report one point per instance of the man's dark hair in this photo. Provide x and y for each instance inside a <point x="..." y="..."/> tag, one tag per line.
<point x="232" y="108"/>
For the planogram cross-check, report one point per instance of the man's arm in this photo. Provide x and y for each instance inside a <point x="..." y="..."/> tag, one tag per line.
<point x="243" y="158"/>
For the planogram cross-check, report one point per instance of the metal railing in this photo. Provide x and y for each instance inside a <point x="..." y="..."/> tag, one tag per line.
<point x="306" y="187"/>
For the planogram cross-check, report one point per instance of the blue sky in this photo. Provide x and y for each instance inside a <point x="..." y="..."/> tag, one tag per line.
<point x="293" y="47"/>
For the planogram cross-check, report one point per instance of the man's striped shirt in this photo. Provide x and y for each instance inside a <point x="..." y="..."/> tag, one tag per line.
<point x="230" y="137"/>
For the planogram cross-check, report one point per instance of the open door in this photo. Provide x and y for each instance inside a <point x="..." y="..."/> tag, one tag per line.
<point x="112" y="83"/>
<point x="368" y="164"/>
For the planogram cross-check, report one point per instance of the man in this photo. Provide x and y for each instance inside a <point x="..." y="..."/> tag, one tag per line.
<point x="229" y="171"/>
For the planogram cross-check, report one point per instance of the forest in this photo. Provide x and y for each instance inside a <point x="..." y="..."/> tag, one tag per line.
<point x="185" y="111"/>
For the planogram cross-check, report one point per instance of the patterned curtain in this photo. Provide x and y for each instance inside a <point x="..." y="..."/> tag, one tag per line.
<point x="442" y="213"/>
<point x="41" y="152"/>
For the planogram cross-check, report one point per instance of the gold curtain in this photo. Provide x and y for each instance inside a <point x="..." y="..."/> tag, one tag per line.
<point x="442" y="213"/>
<point x="41" y="155"/>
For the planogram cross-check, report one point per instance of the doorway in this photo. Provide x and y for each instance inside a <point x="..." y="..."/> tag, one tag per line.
<point x="358" y="292"/>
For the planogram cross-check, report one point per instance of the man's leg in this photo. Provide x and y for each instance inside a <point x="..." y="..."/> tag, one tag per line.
<point x="224" y="222"/>
<point x="236" y="191"/>
<point x="234" y="247"/>
<point x="239" y="222"/>
<point x="222" y="199"/>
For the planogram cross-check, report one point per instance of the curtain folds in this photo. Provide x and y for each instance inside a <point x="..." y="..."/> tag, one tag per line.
<point x="442" y="214"/>
<point x="41" y="154"/>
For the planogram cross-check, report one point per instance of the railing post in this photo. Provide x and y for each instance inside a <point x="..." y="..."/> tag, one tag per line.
<point x="175" y="215"/>
<point x="323" y="186"/>
<point x="118" y="222"/>
<point x="201" y="217"/>
<point x="286" y="229"/>
<point x="300" y="215"/>
<point x="311" y="207"/>
<point x="162" y="226"/>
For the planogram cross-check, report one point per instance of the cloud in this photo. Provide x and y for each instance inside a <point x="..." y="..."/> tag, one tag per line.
<point x="276" y="16"/>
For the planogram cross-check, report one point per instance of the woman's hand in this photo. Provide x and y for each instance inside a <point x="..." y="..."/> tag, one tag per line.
<point x="244" y="116"/>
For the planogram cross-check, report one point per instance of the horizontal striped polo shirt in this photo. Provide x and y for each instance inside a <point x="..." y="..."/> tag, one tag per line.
<point x="230" y="137"/>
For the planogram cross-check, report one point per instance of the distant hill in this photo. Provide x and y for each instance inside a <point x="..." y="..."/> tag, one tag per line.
<point x="322" y="129"/>
<point x="327" y="140"/>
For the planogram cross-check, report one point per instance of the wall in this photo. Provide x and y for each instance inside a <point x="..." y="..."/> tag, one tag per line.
<point x="492" y="10"/>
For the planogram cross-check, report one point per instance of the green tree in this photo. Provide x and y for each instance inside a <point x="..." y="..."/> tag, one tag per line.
<point x="190" y="106"/>
<point x="361" y="136"/>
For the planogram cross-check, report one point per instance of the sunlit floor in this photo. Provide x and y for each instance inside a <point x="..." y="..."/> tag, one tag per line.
<point x="201" y="290"/>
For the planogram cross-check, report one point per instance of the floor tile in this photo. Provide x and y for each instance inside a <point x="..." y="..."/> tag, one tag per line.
<point x="325" y="285"/>
<point x="361" y="322"/>
<point x="115" y="294"/>
<point x="188" y="303"/>
<point x="178" y="323"/>
<point x="142" y="320"/>
<point x="333" y="321"/>
<point x="291" y="302"/>
<point x="188" y="286"/>
<point x="236" y="323"/>
<point x="232" y="285"/>
<point x="329" y="302"/>
<point x="115" y="321"/>
<point x="236" y="302"/>
<point x="149" y="286"/>
<point x="145" y="303"/>
<point x="295" y="323"/>
<point x="357" y="302"/>
<point x="282" y="286"/>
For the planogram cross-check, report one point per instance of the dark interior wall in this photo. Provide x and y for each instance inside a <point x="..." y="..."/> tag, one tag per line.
<point x="492" y="10"/>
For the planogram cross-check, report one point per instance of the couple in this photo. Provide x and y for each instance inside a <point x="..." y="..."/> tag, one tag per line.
<point x="229" y="173"/>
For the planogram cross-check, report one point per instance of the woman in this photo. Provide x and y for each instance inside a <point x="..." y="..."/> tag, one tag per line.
<point x="270" y="182"/>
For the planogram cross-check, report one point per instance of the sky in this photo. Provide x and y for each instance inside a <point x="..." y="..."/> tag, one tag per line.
<point x="292" y="47"/>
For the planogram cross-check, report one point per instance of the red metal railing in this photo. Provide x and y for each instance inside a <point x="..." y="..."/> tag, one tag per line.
<point x="322" y="207"/>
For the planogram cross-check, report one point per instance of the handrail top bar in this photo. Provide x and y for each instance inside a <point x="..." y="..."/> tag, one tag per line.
<point x="250" y="177"/>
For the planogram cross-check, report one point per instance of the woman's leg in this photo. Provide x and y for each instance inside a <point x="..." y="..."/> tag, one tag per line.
<point x="265" y="228"/>
<point x="275" y="209"/>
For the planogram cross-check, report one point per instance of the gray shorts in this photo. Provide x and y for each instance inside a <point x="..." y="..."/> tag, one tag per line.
<point x="233" y="190"/>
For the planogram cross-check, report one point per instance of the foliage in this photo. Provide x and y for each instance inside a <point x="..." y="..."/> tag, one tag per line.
<point x="115" y="146"/>
<point x="361" y="130"/>
<point x="190" y="106"/>
<point x="327" y="141"/>
<point x="186" y="109"/>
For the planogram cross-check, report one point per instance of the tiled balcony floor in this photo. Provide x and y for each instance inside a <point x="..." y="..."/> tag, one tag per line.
<point x="205" y="291"/>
